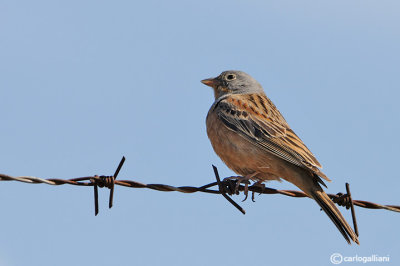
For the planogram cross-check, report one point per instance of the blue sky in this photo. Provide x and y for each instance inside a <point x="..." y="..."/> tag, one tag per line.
<point x="85" y="82"/>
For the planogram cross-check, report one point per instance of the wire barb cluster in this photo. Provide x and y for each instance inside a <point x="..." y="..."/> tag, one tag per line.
<point x="223" y="186"/>
<point x="105" y="181"/>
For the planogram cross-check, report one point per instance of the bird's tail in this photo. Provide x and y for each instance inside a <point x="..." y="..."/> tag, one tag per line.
<point x="334" y="214"/>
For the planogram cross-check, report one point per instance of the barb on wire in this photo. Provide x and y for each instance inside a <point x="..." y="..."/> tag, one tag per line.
<point x="222" y="185"/>
<point x="105" y="181"/>
<point x="353" y="212"/>
<point x="221" y="189"/>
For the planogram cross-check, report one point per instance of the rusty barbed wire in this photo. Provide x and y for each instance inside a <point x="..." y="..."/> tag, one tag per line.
<point x="223" y="187"/>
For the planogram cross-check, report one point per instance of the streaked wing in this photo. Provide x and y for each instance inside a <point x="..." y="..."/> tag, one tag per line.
<point x="256" y="118"/>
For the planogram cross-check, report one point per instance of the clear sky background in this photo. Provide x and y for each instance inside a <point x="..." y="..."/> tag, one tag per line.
<point x="83" y="83"/>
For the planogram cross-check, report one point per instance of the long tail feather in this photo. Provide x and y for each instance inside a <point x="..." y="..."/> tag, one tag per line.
<point x="334" y="214"/>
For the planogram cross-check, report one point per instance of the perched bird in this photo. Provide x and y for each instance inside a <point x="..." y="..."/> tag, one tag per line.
<point x="253" y="139"/>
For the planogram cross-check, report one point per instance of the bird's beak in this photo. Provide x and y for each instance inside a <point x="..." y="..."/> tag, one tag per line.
<point x="212" y="82"/>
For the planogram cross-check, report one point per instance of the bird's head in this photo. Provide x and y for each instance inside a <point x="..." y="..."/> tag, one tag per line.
<point x="233" y="82"/>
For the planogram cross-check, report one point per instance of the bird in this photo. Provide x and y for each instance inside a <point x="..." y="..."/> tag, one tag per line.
<point x="253" y="139"/>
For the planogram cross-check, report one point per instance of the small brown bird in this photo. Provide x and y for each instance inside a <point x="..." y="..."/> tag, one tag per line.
<point x="253" y="139"/>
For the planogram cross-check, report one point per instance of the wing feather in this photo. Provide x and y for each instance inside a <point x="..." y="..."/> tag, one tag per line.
<point x="257" y="119"/>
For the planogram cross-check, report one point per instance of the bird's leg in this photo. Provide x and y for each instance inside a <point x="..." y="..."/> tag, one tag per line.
<point x="246" y="182"/>
<point x="258" y="184"/>
<point x="230" y="183"/>
<point x="242" y="179"/>
<point x="246" y="186"/>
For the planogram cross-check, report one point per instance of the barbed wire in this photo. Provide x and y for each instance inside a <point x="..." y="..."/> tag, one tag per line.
<point x="225" y="187"/>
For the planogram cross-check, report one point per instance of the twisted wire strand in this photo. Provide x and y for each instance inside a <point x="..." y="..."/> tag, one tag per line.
<point x="92" y="180"/>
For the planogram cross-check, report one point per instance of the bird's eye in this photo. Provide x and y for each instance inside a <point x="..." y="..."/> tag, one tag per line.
<point x="230" y="77"/>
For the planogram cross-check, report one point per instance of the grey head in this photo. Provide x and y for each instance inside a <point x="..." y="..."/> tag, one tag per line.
<point x="233" y="82"/>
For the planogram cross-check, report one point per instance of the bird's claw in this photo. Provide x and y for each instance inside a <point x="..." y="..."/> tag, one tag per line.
<point x="236" y="181"/>
<point x="258" y="184"/>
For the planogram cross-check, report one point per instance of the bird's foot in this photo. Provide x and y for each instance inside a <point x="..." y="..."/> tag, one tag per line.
<point x="233" y="182"/>
<point x="239" y="180"/>
<point x="259" y="184"/>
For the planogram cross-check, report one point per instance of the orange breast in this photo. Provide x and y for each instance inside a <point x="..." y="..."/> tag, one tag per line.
<point x="239" y="154"/>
